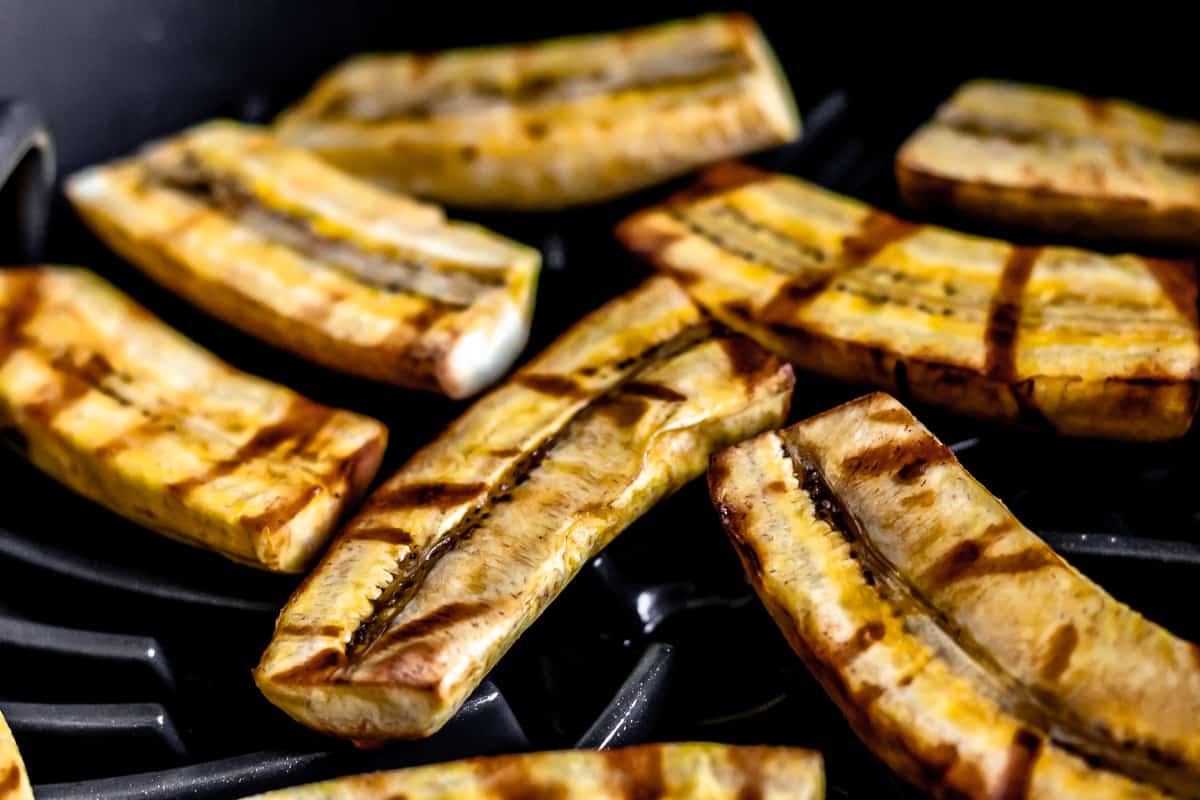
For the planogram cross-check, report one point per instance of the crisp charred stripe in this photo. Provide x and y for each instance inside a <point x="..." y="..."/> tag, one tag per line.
<point x="70" y="390"/>
<point x="504" y="779"/>
<point x="10" y="779"/>
<point x="776" y="487"/>
<point x="1004" y="314"/>
<point x="299" y="425"/>
<point x="638" y="772"/>
<point x="1022" y="755"/>
<point x="748" y="761"/>
<point x="312" y="670"/>
<point x="386" y="534"/>
<point x="553" y="385"/>
<point x="24" y="298"/>
<point x="655" y="391"/>
<point x="1177" y="279"/>
<point x="897" y="416"/>
<point x="444" y="617"/>
<point x="625" y="410"/>
<point x="921" y="499"/>
<point x="720" y="178"/>
<point x="907" y="461"/>
<point x="1097" y="110"/>
<point x="309" y="630"/>
<point x="877" y="230"/>
<point x="745" y="357"/>
<point x="436" y="494"/>
<point x="1059" y="648"/>
<point x="280" y="512"/>
<point x="859" y="643"/>
<point x="793" y="295"/>
<point x="506" y="452"/>
<point x="968" y="560"/>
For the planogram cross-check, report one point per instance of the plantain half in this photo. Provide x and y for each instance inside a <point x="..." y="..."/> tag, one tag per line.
<point x="677" y="771"/>
<point x="276" y="242"/>
<point x="107" y="399"/>
<point x="554" y="123"/>
<point x="1059" y="162"/>
<point x="14" y="783"/>
<point x="972" y="659"/>
<point x="1077" y="342"/>
<point x="453" y="557"/>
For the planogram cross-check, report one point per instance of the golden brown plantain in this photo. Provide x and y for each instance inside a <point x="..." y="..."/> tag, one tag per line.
<point x="1077" y="342"/>
<point x="1059" y="162"/>
<point x="554" y="123"/>
<point x="14" y="783"/>
<point x="971" y="658"/>
<point x="277" y="243"/>
<point x="108" y="400"/>
<point x="666" y="771"/>
<point x="454" y="556"/>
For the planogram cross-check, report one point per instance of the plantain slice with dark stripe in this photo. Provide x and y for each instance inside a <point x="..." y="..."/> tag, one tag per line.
<point x="122" y="409"/>
<point x="553" y="123"/>
<point x="289" y="249"/>
<point x="680" y="771"/>
<point x="14" y="783"/>
<point x="1056" y="161"/>
<point x="1068" y="340"/>
<point x="973" y="659"/>
<point x="453" y="557"/>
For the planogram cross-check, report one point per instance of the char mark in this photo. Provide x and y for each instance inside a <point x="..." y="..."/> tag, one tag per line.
<point x="877" y="230"/>
<point x="447" y="616"/>
<point x="433" y="494"/>
<point x="554" y="385"/>
<point x="907" y="461"/>
<point x="1018" y="771"/>
<point x="1004" y="314"/>
<point x="638" y="772"/>
<point x="1058" y="651"/>
<point x="654" y="391"/>
<point x="385" y="534"/>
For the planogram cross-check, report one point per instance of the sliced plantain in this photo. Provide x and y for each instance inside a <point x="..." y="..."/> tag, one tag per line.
<point x="974" y="660"/>
<point x="1067" y="340"/>
<point x="454" y="556"/>
<point x="679" y="771"/>
<point x="277" y="243"/>
<point x="14" y="783"/>
<point x="1059" y="162"/>
<point x="107" y="399"/>
<point x="554" y="123"/>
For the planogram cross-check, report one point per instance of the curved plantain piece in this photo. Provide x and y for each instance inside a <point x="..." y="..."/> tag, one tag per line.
<point x="1072" y="341"/>
<point x="971" y="658"/>
<point x="668" y="771"/>
<point x="110" y="401"/>
<point x="14" y="783"/>
<point x="281" y="245"/>
<point x="456" y="555"/>
<point x="1058" y="162"/>
<point x="555" y="123"/>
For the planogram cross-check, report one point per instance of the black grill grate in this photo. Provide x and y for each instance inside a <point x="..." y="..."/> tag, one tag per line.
<point x="125" y="655"/>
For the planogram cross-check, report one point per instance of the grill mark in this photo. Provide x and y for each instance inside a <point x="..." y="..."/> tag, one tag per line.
<point x="302" y="421"/>
<point x="968" y="559"/>
<point x="921" y="499"/>
<point x="11" y="780"/>
<point x="624" y="410"/>
<point x="907" y="461"/>
<point x="77" y="381"/>
<point x="1098" y="111"/>
<point x="510" y="780"/>
<point x="382" y="533"/>
<point x="877" y="230"/>
<point x="309" y="630"/>
<point x="655" y="391"/>
<point x="638" y="772"/>
<point x="445" y="617"/>
<point x="723" y="177"/>
<point x="280" y="511"/>
<point x="1177" y="279"/>
<point x="859" y="643"/>
<point x="1058" y="651"/>
<point x="776" y="487"/>
<point x="312" y="669"/>
<point x="433" y="494"/>
<point x="745" y="357"/>
<point x="1004" y="314"/>
<point x="748" y="761"/>
<point x="24" y="299"/>
<point x="506" y="452"/>
<point x="649" y="243"/>
<point x="1018" y="771"/>
<point x="553" y="385"/>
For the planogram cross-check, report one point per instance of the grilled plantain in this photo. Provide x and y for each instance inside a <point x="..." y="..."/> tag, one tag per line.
<point x="111" y="402"/>
<point x="454" y="556"/>
<point x="962" y="649"/>
<point x="14" y="783"/>
<point x="691" y="770"/>
<point x="1059" y="162"/>
<point x="551" y="124"/>
<point x="289" y="249"/>
<point x="1068" y="340"/>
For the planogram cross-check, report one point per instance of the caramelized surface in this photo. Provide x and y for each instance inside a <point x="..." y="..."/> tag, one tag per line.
<point x="287" y="248"/>
<point x="455" y="555"/>
<point x="1069" y="340"/>
<point x="966" y="652"/>
<point x="708" y="771"/>
<point x="1057" y="161"/>
<point x="122" y="409"/>
<point x="14" y="783"/>
<point x="552" y="123"/>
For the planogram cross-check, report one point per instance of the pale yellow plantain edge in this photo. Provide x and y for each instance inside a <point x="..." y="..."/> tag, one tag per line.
<point x="113" y="403"/>
<point x="962" y="649"/>
<point x="454" y="556"/>
<point x="555" y="123"/>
